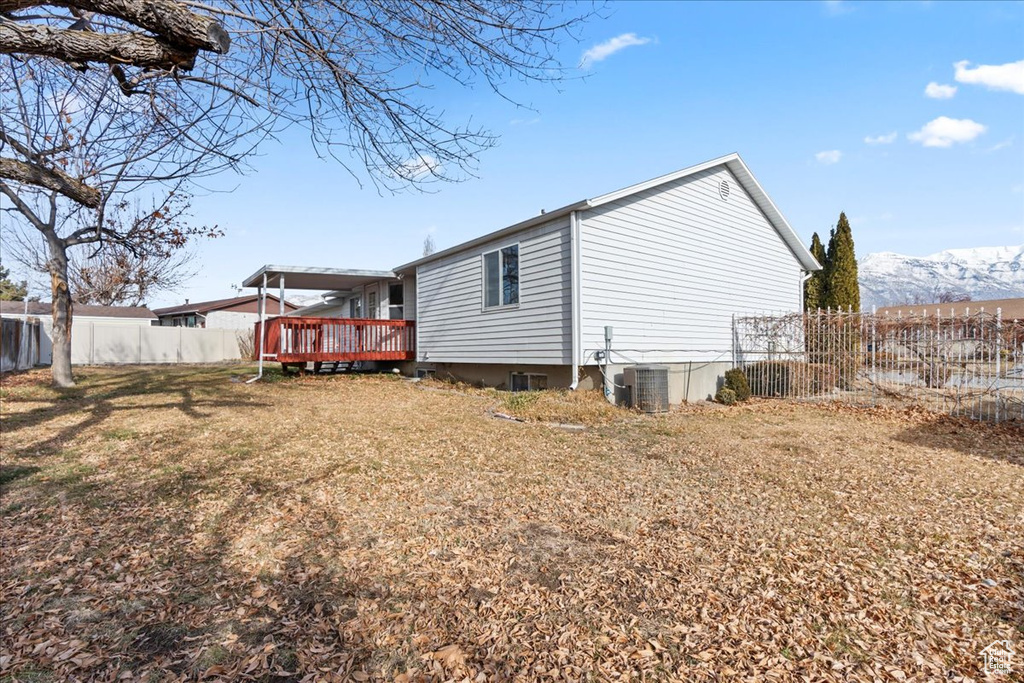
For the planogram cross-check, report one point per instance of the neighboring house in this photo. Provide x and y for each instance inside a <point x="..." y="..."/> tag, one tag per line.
<point x="237" y="313"/>
<point x="968" y="328"/>
<point x="1008" y="309"/>
<point x="114" y="315"/>
<point x="83" y="316"/>
<point x="662" y="266"/>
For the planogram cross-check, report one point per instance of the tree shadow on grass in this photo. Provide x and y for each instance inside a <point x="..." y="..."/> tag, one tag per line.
<point x="97" y="399"/>
<point x="1003" y="442"/>
<point x="9" y="473"/>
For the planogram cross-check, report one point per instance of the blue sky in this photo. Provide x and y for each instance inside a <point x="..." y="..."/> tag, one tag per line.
<point x="795" y="88"/>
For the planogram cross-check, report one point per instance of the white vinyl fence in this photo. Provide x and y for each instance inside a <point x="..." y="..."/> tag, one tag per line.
<point x="970" y="364"/>
<point x="19" y="344"/>
<point x="107" y="344"/>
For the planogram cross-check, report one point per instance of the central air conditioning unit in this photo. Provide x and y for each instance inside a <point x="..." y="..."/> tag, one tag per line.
<point x="648" y="387"/>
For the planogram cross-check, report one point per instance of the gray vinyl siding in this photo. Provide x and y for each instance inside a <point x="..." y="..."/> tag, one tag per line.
<point x="668" y="267"/>
<point x="453" y="326"/>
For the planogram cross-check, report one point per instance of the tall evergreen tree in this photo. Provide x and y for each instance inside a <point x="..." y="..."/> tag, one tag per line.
<point x="9" y="289"/>
<point x="842" y="289"/>
<point x="814" y="288"/>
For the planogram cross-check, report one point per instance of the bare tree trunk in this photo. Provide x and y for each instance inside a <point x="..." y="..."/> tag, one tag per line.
<point x="60" y="365"/>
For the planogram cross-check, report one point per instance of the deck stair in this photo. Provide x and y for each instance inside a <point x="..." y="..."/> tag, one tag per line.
<point x="331" y="367"/>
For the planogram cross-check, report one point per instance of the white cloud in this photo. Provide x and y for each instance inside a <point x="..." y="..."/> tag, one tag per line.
<point x="604" y="50"/>
<point x="944" y="132"/>
<point x="420" y="167"/>
<point x="837" y="7"/>
<point x="831" y="156"/>
<point x="939" y="92"/>
<point x="886" y="139"/>
<point x="995" y="77"/>
<point x="1003" y="144"/>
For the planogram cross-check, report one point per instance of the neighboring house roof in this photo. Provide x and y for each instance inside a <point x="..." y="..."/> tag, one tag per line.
<point x="1011" y="309"/>
<point x="732" y="161"/>
<point x="44" y="308"/>
<point x="205" y="307"/>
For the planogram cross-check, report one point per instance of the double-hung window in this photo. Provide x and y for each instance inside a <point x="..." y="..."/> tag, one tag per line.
<point x="396" y="301"/>
<point x="501" y="277"/>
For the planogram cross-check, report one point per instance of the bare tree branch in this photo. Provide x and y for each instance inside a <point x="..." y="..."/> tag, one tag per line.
<point x="50" y="178"/>
<point x="81" y="47"/>
<point x="191" y="88"/>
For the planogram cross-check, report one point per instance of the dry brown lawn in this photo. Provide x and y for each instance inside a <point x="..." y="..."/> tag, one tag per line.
<point x="174" y="523"/>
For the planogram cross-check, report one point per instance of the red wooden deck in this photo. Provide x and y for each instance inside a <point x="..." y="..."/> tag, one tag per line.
<point x="299" y="340"/>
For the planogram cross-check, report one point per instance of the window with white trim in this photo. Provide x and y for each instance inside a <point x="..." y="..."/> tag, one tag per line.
<point x="396" y="301"/>
<point x="501" y="277"/>
<point x="371" y="304"/>
<point x="527" y="381"/>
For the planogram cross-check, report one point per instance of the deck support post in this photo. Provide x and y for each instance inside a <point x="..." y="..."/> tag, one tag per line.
<point x="280" y="298"/>
<point x="263" y="326"/>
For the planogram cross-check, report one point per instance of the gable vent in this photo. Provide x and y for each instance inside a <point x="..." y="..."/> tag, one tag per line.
<point x="723" y="189"/>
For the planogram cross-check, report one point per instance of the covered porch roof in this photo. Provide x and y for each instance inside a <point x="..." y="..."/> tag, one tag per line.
<point x="303" y="277"/>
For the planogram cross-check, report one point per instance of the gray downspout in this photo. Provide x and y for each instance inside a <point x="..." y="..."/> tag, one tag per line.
<point x="807" y="276"/>
<point x="576" y="289"/>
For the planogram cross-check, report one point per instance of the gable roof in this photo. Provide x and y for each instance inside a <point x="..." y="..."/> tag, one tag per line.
<point x="731" y="161"/>
<point x="204" y="307"/>
<point x="43" y="308"/>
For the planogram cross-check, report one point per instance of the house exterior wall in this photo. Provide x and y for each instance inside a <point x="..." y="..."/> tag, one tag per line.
<point x="453" y="326"/>
<point x="668" y="267"/>
<point x="237" y="320"/>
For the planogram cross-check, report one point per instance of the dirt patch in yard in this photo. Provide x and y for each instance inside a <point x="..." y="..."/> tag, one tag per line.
<point x="172" y="524"/>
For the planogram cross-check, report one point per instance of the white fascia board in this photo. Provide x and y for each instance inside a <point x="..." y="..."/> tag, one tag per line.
<point x="661" y="180"/>
<point x="743" y="175"/>
<point x="731" y="161"/>
<point x="497" y="234"/>
<point x="324" y="274"/>
<point x="773" y="214"/>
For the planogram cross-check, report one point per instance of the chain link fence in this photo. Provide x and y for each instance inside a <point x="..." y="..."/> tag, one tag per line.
<point x="967" y="364"/>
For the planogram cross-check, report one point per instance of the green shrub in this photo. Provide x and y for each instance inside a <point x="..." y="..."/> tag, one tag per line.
<point x="516" y="401"/>
<point x="737" y="381"/>
<point x="726" y="396"/>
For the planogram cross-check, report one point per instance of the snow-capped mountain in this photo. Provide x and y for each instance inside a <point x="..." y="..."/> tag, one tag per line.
<point x="888" y="279"/>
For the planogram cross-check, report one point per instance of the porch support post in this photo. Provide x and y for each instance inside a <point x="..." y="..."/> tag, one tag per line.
<point x="263" y="320"/>
<point x="280" y="298"/>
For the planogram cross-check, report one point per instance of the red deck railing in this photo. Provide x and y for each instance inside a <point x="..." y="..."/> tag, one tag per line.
<point x="295" y="339"/>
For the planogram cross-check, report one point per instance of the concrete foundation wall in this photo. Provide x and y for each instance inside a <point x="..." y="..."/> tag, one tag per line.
<point x="493" y="375"/>
<point x="687" y="382"/>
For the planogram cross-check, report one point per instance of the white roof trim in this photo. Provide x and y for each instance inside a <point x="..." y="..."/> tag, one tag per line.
<point x="497" y="234"/>
<point x="731" y="161"/>
<point x="661" y="180"/>
<point x="329" y="278"/>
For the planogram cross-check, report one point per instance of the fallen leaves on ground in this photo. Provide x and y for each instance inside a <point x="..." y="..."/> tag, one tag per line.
<point x="169" y="524"/>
